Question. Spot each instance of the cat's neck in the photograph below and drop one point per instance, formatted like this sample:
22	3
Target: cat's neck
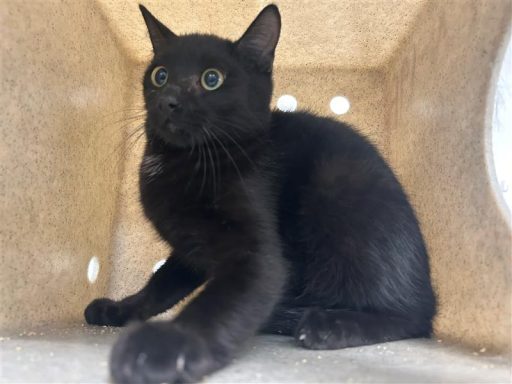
229	155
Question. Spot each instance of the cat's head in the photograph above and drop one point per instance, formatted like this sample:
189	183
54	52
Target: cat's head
201	87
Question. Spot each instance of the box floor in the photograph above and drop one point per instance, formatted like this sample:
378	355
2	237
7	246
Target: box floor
79	354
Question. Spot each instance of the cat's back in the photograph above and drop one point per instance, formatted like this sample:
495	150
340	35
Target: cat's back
307	130
307	142
341	205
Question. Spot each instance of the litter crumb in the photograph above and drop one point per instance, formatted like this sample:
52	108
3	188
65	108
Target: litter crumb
31	333
482	350
304	361
319	357
439	340
302	336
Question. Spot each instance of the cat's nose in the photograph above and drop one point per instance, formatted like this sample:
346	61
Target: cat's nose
169	103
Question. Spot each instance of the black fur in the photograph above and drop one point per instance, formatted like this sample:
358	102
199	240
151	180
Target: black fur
295	222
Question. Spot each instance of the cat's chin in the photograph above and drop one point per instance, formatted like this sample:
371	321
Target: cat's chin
178	141
173	136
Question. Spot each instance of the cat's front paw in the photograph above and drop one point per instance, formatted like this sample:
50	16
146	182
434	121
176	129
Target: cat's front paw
161	353
106	312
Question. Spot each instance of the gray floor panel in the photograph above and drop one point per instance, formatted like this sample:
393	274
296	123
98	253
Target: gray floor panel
79	354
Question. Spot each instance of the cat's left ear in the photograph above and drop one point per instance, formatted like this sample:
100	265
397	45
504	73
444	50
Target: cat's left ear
258	43
160	35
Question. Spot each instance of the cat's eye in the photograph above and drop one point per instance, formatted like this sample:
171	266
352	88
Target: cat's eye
159	76
212	79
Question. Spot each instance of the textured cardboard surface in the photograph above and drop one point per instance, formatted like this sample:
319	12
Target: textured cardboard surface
62	91
441	89
420	78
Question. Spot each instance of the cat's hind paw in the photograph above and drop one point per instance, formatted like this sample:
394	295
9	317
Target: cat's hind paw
320	329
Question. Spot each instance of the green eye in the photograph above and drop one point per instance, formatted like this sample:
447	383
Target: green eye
159	76
212	79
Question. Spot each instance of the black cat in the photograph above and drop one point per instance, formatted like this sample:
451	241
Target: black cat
294	222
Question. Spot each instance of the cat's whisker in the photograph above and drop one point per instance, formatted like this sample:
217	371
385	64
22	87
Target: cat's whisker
214	168
109	128
229	156
203	180
243	152
217	163
244	125
210	156
197	165
126	144
122	113
127	119
240	148
192	148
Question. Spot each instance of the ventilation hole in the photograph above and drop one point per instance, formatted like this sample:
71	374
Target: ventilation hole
502	130
93	269
158	264
287	103
339	105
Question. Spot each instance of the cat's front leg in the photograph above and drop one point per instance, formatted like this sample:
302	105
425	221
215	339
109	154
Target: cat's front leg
168	285
209	331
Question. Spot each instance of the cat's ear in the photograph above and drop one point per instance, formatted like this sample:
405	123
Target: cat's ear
259	42
159	34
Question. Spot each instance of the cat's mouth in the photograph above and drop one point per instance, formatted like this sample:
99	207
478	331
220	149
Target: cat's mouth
174	133
171	127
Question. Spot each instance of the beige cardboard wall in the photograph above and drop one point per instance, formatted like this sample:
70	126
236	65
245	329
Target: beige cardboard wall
417	73
441	92
62	89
